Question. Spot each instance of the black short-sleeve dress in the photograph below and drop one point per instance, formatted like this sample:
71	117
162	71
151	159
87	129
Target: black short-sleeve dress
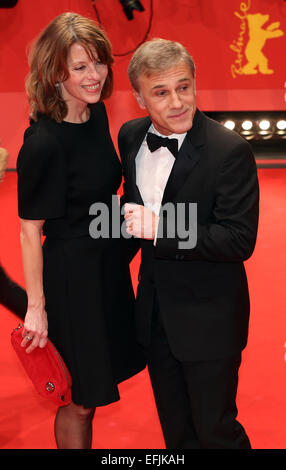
63	169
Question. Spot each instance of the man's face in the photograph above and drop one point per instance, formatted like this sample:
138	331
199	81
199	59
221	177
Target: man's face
169	97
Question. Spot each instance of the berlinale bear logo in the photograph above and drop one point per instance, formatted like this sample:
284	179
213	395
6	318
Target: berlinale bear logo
257	62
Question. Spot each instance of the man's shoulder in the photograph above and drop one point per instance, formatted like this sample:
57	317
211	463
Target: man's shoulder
221	134
133	125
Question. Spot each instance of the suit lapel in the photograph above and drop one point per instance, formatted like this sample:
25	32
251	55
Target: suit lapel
189	156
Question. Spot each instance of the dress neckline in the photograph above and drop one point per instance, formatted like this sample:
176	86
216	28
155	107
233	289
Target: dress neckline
80	124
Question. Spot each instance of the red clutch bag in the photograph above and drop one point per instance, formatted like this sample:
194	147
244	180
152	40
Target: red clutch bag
46	369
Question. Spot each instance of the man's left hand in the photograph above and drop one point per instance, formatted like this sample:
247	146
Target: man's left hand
140	221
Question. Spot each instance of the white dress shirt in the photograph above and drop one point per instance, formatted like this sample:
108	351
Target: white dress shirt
153	170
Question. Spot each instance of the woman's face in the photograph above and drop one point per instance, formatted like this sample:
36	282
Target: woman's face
86	78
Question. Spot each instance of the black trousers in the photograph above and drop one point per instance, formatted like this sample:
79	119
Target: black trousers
12	296
196	401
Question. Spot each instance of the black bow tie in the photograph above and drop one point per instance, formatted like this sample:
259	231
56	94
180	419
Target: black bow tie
155	141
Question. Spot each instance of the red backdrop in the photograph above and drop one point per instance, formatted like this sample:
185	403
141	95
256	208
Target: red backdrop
229	52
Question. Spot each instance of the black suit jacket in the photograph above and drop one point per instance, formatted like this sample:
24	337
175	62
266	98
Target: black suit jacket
202	291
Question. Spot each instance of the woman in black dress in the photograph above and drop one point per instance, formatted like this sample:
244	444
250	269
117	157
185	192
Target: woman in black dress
79	287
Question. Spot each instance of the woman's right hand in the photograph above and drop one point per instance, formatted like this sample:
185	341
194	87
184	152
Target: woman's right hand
35	331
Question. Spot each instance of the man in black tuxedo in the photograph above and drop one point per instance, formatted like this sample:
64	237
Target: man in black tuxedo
192	297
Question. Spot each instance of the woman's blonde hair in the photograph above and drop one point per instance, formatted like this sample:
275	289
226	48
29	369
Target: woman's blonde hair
48	62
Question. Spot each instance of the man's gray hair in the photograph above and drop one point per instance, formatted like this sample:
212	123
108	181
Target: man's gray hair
155	56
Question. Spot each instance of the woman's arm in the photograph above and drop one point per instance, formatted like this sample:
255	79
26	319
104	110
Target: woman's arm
36	324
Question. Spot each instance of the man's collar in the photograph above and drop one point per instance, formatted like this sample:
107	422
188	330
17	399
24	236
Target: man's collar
179	137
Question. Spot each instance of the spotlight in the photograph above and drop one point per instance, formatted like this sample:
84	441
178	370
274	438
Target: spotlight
247	130
281	125
129	6
266	129
247	125
264	125
281	128
230	125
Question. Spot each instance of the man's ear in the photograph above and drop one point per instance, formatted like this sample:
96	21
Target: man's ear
139	99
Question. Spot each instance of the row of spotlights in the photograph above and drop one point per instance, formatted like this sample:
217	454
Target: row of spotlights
264	125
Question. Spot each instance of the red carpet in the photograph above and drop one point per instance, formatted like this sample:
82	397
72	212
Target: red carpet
26	420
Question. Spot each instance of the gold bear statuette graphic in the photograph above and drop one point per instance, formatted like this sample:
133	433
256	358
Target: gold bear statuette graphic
257	38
